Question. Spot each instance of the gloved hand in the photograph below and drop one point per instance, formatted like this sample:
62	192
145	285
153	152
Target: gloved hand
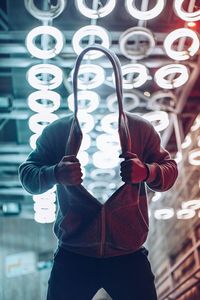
68	171
132	169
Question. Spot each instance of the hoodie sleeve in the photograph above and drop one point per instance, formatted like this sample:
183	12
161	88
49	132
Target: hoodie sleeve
162	169
37	172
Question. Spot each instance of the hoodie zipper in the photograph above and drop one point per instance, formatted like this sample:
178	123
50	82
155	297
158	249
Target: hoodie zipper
103	233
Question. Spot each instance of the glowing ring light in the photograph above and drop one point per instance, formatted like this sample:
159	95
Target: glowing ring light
47	95
47	197
112	102
83	158
185	214
187	142
87	83
93	30
51	84
144	15
104	160
196	124
101	174
191	204
108	142
194	157
33	140
95	13
84	96
139	69
40	53
109	123
177	34
86	142
55	10
164	213
35	120
158	116
130	33
186	16
86	121
44	206
160	95
44	217
157	196
169	70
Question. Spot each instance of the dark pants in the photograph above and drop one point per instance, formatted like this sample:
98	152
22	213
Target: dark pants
77	277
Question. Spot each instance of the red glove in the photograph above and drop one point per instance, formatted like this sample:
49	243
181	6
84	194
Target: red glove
68	171
132	169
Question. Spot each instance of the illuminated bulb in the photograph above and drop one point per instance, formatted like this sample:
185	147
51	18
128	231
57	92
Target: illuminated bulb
187	142
156	197
86	83
49	70
33	139
103	174
86	142
101	12
88	30
41	53
83	158
186	16
185	214
191	24
44	95
159	119
194	157
178	157
36	120
144	15
196	124
164	213
45	207
108	142
131	101
84	97
132	69
191	204
169	70
104	160
177	34
42	217
86	121
109	123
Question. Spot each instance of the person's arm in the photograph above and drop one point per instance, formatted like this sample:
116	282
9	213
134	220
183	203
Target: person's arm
37	172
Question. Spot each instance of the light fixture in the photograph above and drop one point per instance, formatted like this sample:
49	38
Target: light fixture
144	15
136	34
101	12
44	217
185	214
44	206
108	142
196	124
53	76
102	174
44	96
132	81
164	213
83	158
187	142
89	30
109	123
53	12
105	160
92	76
86	121
177	34
44	30
88	101
162	100
171	69
39	121
33	140
194	157
101	189
157	196
191	204
178	157
186	16
86	142
159	119
131	101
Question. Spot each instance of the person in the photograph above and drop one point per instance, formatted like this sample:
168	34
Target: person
80	268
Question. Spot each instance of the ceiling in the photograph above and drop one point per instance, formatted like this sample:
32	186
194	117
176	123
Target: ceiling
15	60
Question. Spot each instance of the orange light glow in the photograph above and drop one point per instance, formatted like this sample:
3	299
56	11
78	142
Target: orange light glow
191	24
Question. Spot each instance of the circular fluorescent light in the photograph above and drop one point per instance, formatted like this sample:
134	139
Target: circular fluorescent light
136	34
53	12
83	158
103	174
171	70
157	196
194	157
164	213
191	204
108	142
162	100
88	30
44	96
159	119
131	101
33	140
144	15
41	53
86	121
196	124
130	70
177	34
101	12
92	76
86	142
178	157
109	123
44	217
187	142
51	70
36	120
84	97
185	214
104	160
186	16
